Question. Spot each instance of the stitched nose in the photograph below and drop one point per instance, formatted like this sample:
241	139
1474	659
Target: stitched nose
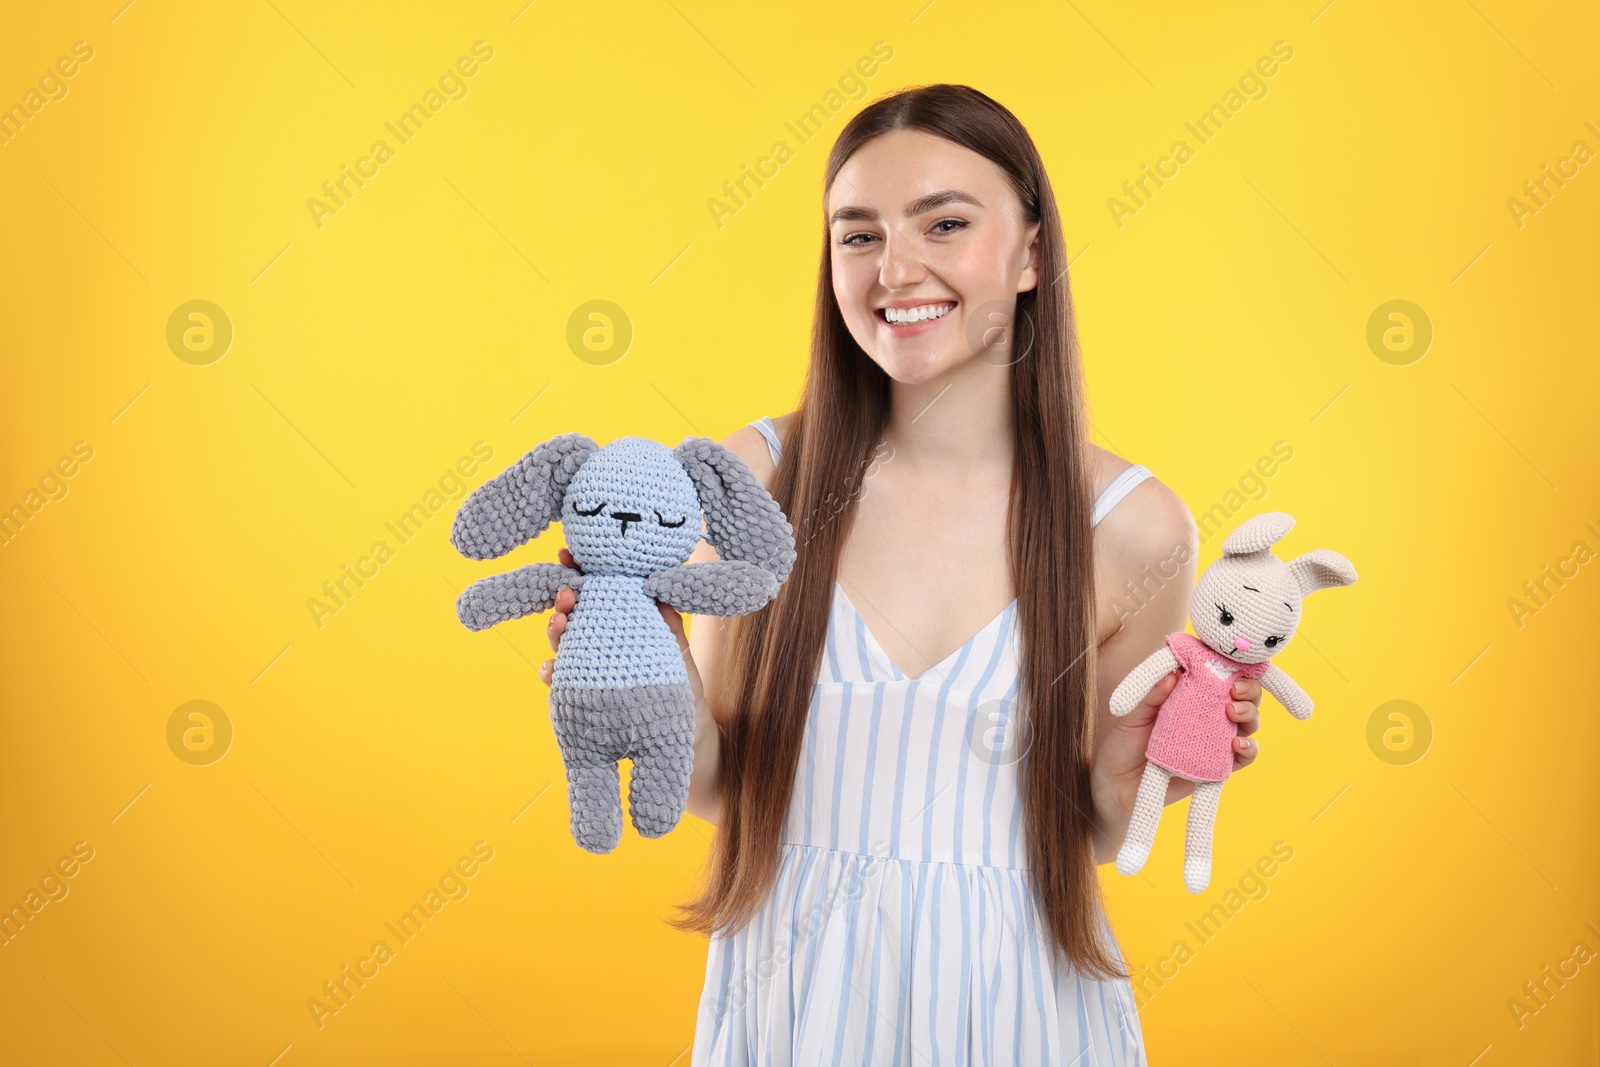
1242	644
626	517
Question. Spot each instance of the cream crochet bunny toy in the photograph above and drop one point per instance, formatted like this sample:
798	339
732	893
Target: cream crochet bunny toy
631	513
1245	609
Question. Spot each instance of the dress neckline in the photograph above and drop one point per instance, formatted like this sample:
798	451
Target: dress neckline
940	668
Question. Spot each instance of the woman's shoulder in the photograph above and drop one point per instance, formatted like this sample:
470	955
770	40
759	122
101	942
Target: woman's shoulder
750	445
1148	522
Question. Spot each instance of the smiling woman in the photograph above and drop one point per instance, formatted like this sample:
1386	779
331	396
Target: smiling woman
908	818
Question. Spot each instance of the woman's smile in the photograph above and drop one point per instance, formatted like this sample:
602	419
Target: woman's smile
905	319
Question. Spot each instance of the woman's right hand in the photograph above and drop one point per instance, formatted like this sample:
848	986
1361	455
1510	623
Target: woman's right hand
566	600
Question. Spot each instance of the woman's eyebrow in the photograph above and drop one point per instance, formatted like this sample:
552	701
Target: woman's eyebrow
856	213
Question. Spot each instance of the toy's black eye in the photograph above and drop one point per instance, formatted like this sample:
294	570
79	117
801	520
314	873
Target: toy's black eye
596	510
1272	642
664	522
1226	616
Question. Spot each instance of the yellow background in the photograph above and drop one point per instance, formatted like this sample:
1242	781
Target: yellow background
430	313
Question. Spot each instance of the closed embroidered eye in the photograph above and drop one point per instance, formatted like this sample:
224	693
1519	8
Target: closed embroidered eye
664	522
1226	616
596	510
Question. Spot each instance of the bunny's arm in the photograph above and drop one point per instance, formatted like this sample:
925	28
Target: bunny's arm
528	590
1288	692
717	587
1141	679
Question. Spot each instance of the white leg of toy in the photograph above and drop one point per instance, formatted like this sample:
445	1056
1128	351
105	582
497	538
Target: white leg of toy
1197	843
1147	807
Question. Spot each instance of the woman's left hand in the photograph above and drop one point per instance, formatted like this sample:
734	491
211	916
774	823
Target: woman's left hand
1119	759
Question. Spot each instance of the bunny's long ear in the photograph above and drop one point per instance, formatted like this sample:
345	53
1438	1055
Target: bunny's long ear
1321	568
742	520
518	503
1258	533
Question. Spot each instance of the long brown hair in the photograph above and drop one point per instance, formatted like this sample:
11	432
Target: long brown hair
773	654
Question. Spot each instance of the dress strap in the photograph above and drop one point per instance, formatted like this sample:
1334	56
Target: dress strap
770	432
1120	486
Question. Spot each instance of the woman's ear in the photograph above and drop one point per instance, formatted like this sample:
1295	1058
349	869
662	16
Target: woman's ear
1030	270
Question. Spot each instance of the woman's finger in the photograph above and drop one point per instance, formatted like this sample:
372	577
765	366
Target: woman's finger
1162	689
545	670
1247	715
1245	752
674	623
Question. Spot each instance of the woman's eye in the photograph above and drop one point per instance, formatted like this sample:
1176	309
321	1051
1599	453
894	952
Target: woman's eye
664	522
958	223
595	511
1226	616
850	239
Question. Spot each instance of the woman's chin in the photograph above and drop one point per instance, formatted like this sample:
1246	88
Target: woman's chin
919	368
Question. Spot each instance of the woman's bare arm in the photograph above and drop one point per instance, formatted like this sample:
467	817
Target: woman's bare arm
707	646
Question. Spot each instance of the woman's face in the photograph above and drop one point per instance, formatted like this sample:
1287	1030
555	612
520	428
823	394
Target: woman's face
929	251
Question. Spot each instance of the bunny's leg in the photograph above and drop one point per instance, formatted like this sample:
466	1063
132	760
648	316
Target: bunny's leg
663	757
1141	836
1197	842
593	784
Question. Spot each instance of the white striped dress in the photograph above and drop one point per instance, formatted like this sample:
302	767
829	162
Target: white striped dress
901	929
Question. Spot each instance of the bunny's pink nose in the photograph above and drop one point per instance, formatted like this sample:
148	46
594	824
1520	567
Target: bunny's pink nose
1242	644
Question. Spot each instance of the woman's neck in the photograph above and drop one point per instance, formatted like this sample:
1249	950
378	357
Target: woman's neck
957	426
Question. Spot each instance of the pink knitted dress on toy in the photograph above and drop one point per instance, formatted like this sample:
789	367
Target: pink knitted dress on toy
1193	736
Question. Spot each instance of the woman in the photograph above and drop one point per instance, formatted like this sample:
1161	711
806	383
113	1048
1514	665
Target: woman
912	794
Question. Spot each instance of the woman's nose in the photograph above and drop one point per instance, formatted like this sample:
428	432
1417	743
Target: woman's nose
1242	644
902	262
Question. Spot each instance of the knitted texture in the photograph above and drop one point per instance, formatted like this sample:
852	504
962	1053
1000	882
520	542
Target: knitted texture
1245	610
632	513
1193	736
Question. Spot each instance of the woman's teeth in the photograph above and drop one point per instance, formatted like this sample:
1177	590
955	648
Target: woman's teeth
907	316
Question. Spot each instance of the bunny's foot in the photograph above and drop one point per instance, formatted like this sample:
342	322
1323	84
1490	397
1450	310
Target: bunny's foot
663	757
1141	835
1197	846
1131	856
593	793
590	755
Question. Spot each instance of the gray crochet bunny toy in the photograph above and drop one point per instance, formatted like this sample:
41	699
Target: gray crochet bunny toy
631	513
1245	609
